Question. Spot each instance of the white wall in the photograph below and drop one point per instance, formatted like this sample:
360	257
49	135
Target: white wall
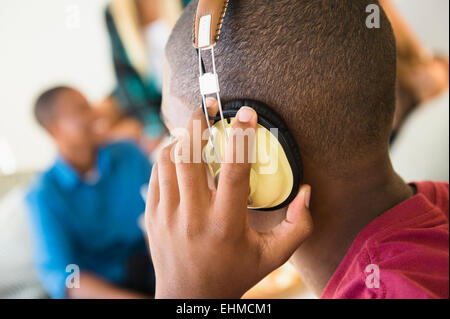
42	44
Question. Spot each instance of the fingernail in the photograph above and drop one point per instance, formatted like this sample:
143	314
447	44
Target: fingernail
210	102
307	194
245	114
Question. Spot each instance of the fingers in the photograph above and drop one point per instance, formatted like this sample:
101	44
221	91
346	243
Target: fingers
212	106
234	178
195	128
279	244
153	191
190	169
168	183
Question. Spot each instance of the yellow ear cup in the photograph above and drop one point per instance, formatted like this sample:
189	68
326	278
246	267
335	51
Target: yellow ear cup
271	177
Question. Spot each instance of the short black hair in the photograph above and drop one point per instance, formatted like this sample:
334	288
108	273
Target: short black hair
316	63
45	103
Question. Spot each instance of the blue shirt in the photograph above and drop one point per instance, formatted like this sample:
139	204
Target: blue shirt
93	225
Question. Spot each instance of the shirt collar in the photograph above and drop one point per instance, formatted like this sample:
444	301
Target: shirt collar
69	178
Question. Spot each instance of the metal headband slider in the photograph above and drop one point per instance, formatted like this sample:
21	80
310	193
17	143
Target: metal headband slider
209	84
204	31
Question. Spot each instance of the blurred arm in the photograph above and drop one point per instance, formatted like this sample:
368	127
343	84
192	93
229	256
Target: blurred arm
421	75
408	45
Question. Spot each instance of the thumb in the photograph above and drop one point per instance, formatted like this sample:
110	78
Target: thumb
282	241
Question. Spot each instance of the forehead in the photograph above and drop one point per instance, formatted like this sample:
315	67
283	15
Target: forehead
70	96
174	110
70	101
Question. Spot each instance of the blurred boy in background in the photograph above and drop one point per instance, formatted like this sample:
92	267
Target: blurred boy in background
85	209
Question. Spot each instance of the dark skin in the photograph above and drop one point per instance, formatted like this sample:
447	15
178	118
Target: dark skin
72	128
340	207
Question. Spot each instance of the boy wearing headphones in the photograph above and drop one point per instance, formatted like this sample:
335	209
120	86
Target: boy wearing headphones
332	80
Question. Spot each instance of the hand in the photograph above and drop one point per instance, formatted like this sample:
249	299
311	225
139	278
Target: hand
200	241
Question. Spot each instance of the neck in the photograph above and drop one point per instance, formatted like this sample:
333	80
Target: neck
341	208
81	158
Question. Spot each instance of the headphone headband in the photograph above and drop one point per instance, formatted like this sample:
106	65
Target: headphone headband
208	22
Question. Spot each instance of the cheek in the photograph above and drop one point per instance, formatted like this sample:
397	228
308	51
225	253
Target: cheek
69	128
73	129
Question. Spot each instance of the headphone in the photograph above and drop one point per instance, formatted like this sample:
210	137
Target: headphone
275	176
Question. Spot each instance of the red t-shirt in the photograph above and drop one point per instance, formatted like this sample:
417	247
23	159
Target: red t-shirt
404	253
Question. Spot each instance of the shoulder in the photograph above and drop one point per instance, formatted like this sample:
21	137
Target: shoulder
43	185
404	253
411	245
413	262
437	193
398	270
